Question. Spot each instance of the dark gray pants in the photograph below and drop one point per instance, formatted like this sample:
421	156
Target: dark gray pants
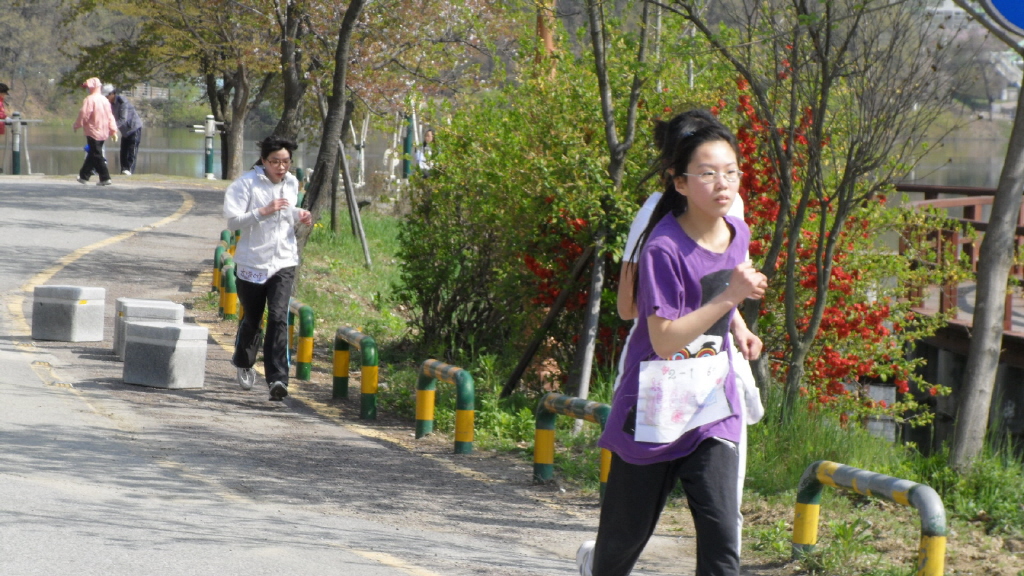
130	150
273	297
635	496
94	160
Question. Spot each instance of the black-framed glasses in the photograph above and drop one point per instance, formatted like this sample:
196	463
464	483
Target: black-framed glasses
278	163
711	175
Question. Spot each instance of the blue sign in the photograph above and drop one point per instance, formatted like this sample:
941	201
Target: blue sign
1009	13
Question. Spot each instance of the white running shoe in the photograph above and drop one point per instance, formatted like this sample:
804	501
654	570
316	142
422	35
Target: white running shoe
246	378
585	558
82	180
126	173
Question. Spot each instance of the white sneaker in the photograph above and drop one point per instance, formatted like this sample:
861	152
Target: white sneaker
585	558
246	378
82	180
126	173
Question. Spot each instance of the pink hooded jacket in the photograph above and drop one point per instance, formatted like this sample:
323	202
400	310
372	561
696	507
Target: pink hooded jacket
96	117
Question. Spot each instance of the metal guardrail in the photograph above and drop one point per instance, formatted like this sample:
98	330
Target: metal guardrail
430	372
343	339
932	550
18	136
304	345
550	406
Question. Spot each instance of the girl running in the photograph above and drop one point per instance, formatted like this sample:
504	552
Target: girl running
691	274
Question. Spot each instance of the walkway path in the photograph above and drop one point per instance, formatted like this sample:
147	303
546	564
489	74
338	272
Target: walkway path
105	478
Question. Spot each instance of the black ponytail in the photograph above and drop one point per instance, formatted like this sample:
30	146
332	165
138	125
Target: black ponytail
677	140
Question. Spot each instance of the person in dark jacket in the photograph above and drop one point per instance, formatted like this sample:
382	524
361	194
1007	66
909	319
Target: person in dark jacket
129	124
3	111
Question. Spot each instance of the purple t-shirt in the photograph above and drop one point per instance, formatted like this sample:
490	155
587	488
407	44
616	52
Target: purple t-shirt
677	276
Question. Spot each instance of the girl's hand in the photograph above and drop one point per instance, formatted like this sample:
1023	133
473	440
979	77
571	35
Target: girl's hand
747	342
746	282
275	206
306	217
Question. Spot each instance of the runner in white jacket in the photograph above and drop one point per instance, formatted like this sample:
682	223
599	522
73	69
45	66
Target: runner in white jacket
261	203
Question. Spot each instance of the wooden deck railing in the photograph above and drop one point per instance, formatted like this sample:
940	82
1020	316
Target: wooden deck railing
972	200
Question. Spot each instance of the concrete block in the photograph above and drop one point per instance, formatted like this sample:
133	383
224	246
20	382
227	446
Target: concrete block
68	313
165	355
139	310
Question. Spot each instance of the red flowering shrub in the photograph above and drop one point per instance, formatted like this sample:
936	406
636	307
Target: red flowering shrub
867	320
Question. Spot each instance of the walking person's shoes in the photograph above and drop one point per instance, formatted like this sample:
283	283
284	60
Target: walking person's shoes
246	378
82	180
278	391
126	172
585	558
104	182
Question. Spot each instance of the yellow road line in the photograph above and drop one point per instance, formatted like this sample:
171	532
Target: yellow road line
16	302
389	560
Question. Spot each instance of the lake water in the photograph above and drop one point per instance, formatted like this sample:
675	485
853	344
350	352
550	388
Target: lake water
179	152
58	150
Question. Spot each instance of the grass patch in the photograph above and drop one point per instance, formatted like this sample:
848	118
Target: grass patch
780	452
336	283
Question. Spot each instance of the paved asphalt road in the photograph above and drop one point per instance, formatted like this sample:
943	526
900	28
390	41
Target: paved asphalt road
100	477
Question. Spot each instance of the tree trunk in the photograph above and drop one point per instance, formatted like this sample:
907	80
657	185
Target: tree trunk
994	261
584	358
617	150
318	193
291	75
232	143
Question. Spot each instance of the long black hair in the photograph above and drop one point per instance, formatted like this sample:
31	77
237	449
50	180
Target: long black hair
677	140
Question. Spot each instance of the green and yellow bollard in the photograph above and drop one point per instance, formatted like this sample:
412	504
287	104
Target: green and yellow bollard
304	347
343	338
225	261
430	372
932	548
217	254
229	301
549	407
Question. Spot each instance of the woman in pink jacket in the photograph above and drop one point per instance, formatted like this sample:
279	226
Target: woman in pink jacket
97	121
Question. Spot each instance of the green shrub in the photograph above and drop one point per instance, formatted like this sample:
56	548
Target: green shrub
519	188
780	450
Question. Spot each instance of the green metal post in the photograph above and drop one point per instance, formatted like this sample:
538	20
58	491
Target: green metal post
16	143
209	131
407	145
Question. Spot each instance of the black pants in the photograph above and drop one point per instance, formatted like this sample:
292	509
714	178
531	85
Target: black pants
94	160
130	150
273	297
635	496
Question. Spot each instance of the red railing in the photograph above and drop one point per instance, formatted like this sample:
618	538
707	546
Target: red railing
972	201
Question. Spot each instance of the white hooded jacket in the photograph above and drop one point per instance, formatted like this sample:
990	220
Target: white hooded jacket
267	243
